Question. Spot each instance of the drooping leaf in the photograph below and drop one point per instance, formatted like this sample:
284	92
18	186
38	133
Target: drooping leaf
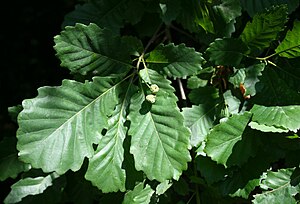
175	61
232	103
160	142
257	6
59	126
284	117
139	195
90	49
264	28
224	136
226	51
105	167
290	46
10	166
105	13
199	119
29	186
229	9
278	188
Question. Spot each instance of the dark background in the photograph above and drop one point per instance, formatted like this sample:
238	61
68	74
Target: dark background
27	56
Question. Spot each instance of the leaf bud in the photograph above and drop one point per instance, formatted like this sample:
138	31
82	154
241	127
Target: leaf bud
151	98
154	88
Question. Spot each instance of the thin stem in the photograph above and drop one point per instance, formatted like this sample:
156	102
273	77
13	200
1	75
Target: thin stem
155	35
181	89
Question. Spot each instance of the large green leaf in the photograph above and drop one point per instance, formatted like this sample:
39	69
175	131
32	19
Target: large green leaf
290	46
259	6
227	51
10	166
90	49
29	186
278	188
105	167
279	90
285	117
199	119
159	141
139	195
175	61
264	28
224	136
105	13
170	10
59	126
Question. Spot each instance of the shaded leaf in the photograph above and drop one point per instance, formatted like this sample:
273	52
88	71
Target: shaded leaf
159	141
105	167
139	195
170	10
105	13
246	191
258	6
204	95
90	49
290	46
175	60
199	119
29	186
10	166
224	136
229	9
278	90
59	126
264	28
283	117
227	51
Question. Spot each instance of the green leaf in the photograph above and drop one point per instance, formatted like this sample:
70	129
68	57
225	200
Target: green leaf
163	187
29	186
160	142
105	167
247	190
290	46
199	119
279	90
278	188
224	136
226	51
170	10
14	112
204	95
264	28
139	195
248	77
59	126
284	117
265	128
258	6
90	49
10	166
105	13
175	60
229	9
289	71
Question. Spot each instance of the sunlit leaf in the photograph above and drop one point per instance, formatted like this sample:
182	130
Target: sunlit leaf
284	117
224	136
175	61
290	46
29	186
264	28
139	195
160	142
59	126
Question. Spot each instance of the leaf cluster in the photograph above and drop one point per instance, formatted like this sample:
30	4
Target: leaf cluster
171	101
